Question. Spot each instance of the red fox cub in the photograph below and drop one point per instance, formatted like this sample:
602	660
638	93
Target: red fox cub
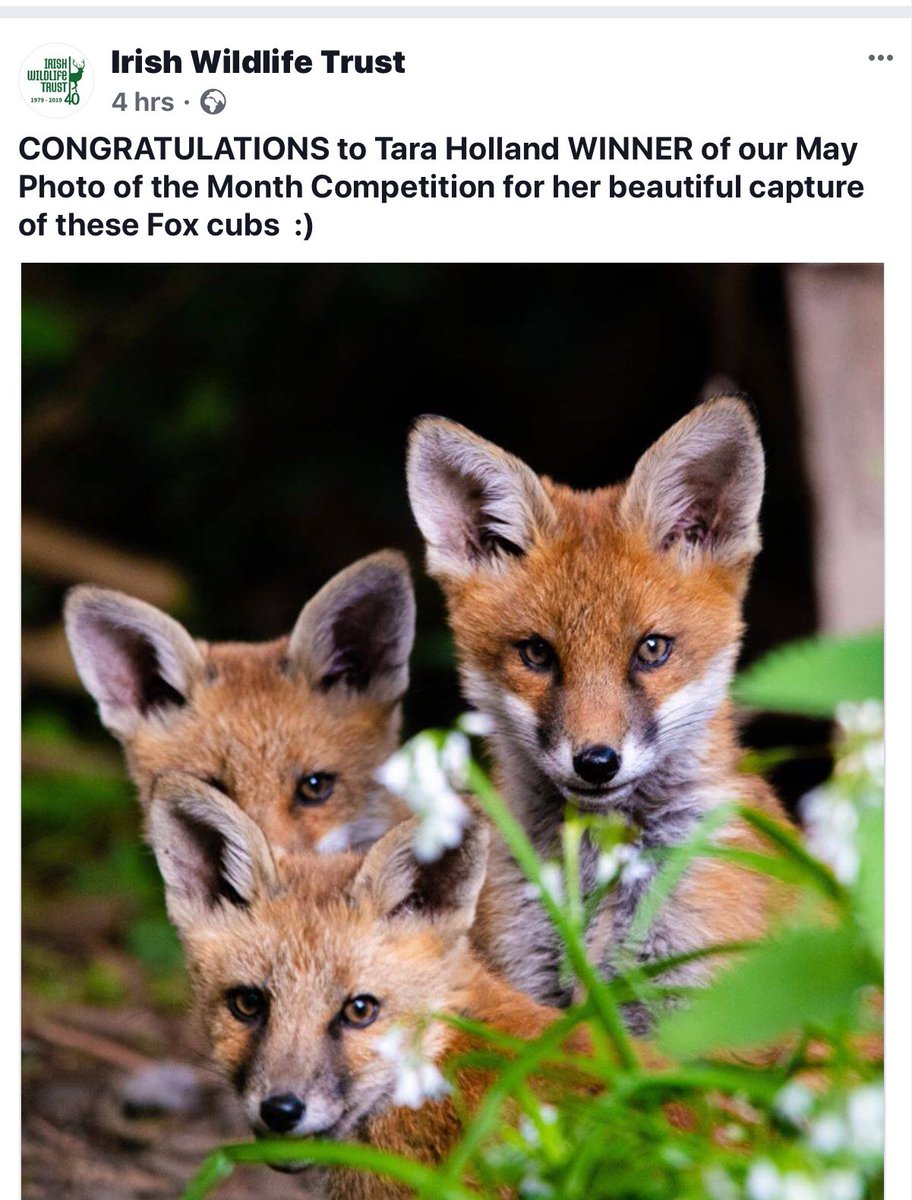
307	970
293	730
599	632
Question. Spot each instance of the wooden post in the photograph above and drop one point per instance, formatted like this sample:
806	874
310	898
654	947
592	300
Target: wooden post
837	320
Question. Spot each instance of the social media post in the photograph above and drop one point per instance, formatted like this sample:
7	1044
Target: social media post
353	140
464	492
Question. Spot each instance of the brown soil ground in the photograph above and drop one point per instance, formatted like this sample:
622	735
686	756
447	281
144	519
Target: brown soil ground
82	1140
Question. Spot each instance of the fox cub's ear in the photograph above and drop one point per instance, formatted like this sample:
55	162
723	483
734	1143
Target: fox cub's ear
476	505
132	658
699	487
444	890
357	632
208	850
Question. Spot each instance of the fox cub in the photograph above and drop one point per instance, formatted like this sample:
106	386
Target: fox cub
293	730
301	964
599	631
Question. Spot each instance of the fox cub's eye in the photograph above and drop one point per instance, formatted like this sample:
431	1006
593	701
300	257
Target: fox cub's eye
536	653
247	1004
653	650
360	1011
315	788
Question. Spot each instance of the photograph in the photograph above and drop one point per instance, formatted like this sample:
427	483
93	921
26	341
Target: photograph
452	731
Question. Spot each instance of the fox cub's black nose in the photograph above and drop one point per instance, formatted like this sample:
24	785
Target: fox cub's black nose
596	764
282	1113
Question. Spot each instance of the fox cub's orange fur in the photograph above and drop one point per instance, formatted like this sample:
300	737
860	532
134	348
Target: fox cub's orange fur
599	630
293	730
301	963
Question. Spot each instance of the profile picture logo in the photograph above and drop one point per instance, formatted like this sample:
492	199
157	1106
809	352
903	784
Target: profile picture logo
56	80
212	101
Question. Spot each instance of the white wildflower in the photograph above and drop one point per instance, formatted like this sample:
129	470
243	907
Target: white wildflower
428	776
796	1186
417	774
499	1157
719	1184
529	1131
872	757
475	724
863	731
417	1079
440	828
866	762
547	1115
624	863
396	772
391	1045
534	1185
455	756
636	870
609	863
843	1184
861	720
794	1102
828	1133
831	822
675	1156
865	1110
552	882
763	1182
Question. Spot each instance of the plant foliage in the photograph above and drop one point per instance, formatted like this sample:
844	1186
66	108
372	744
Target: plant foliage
805	1121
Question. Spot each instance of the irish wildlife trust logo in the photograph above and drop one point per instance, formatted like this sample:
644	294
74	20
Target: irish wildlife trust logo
56	80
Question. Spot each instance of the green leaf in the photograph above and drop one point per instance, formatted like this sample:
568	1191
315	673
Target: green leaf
434	648
677	860
522	850
812	677
127	869
869	887
47	334
217	1167
103	985
207	410
803	977
75	801
426	1180
792	849
154	942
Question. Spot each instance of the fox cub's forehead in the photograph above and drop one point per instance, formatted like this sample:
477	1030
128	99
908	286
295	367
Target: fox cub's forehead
316	936
301	931
253	685
583	576
240	668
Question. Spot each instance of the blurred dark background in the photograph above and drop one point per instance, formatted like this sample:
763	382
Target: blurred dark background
245	426
221	440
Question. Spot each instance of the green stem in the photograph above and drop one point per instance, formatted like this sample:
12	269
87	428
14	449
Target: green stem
572	836
672	871
485	1033
786	841
776	867
632	985
508	1083
425	1180
761	1084
215	1169
661	965
524	853
756	762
